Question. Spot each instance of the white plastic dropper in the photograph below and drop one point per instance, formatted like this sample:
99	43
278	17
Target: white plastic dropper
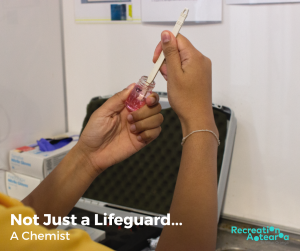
161	58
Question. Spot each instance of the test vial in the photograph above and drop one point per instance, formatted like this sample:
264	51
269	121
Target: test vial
138	95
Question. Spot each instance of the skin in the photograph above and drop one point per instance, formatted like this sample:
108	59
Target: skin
108	138
188	74
113	134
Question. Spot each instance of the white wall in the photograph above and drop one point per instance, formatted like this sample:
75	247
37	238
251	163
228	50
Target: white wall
31	73
256	58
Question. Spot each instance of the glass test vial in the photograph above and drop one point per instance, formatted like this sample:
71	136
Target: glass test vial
138	95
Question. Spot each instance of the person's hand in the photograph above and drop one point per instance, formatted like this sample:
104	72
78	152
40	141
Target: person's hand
188	73
113	134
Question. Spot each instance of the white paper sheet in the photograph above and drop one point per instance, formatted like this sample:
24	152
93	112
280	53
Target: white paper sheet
107	11
260	1
169	10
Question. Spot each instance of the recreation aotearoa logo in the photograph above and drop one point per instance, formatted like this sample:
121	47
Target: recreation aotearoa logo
260	234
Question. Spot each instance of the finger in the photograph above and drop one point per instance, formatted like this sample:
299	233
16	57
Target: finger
183	43
147	124
117	102
152	99
143	113
163	68
149	135
187	51
157	52
170	49
163	71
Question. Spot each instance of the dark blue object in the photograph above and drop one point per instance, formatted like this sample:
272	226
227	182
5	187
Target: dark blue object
118	12
47	145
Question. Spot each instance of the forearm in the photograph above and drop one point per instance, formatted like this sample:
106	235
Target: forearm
61	189
195	198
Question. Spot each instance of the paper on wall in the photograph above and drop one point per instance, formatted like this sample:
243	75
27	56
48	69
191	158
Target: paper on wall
260	1
107	11
169	10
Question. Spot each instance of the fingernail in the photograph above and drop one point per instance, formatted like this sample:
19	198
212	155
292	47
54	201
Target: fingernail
130	118
132	128
139	138
165	37
165	77
152	100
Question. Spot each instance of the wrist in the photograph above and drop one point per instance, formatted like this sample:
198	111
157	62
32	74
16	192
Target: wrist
83	160
203	123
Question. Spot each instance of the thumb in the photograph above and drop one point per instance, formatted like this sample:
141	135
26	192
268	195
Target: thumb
170	49
117	102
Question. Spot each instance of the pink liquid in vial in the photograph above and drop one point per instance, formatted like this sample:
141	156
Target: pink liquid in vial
137	98
138	95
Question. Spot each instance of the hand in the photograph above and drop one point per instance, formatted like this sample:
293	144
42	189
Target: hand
188	73
113	134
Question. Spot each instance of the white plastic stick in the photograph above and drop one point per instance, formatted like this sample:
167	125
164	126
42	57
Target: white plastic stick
161	58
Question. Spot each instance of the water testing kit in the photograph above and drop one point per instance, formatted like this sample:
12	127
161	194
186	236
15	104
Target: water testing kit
143	185
18	186
29	160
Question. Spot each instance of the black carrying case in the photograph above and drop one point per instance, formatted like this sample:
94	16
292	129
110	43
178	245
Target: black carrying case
145	182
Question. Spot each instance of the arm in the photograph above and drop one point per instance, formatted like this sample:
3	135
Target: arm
194	203
107	139
61	189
